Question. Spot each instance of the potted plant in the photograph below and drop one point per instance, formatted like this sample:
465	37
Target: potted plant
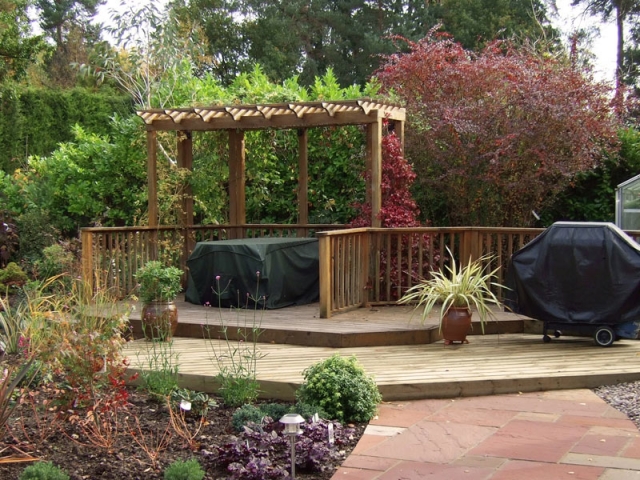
158	287
458	291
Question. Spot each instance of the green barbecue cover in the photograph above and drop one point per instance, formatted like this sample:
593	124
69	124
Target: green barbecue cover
263	272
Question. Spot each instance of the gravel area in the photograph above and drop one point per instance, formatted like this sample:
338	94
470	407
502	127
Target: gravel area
624	397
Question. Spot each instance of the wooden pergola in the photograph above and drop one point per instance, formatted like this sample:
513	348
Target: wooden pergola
237	119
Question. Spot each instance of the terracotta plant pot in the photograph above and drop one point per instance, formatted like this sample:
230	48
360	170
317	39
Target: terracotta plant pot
456	324
159	320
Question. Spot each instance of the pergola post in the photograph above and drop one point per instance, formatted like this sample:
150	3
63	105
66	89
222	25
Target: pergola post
152	192
374	160
400	133
185	160
303	179
237	212
152	178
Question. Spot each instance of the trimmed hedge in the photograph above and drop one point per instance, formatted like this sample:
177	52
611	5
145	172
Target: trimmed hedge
35	121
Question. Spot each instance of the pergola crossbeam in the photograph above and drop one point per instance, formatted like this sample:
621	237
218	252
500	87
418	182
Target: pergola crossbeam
237	119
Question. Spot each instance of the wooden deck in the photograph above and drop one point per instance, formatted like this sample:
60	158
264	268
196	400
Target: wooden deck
302	325
398	353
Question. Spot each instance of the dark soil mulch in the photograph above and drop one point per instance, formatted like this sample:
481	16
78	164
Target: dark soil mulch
108	454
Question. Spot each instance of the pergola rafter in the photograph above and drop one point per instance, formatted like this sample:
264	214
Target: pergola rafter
236	119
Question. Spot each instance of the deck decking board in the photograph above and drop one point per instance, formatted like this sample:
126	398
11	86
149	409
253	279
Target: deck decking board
512	363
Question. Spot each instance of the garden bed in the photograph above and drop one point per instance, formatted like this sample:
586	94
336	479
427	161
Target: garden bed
110	450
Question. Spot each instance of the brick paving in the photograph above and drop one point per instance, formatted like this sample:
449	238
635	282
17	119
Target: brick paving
561	434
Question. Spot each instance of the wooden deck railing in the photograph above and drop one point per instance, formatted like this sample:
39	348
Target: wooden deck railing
358	267
375	266
368	266
112	256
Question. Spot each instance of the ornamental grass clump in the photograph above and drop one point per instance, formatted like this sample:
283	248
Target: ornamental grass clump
459	287
341	388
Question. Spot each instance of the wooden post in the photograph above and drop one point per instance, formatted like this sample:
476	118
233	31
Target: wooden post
324	251
365	263
374	146
237	214
303	180
152	188
88	268
152	178
185	161
400	133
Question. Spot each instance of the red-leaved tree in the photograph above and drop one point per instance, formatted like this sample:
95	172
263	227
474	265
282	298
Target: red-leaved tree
398	208
495	135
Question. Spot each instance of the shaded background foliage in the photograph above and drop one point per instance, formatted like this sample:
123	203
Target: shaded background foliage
496	141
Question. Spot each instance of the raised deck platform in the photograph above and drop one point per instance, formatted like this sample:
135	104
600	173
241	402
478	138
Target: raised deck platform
407	360
301	325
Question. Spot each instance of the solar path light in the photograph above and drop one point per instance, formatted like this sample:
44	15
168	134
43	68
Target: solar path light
292	422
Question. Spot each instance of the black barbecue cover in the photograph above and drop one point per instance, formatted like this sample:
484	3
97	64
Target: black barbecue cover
577	273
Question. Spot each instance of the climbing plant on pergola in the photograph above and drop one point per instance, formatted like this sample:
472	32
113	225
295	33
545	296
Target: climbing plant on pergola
237	119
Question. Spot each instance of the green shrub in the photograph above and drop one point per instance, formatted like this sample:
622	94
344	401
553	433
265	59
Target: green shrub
55	261
36	233
307	410
12	276
43	471
179	470
341	388
275	410
246	414
160	367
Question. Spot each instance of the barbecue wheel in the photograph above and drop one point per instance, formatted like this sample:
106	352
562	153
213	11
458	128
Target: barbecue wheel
604	336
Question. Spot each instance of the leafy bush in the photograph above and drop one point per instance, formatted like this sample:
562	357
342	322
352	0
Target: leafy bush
157	282
258	454
36	233
55	261
189	470
12	276
246	415
9	239
341	388
498	133
43	471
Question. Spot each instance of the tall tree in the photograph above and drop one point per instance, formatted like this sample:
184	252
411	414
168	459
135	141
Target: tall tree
67	23
474	23
220	23
622	11
18	47
301	37
58	16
